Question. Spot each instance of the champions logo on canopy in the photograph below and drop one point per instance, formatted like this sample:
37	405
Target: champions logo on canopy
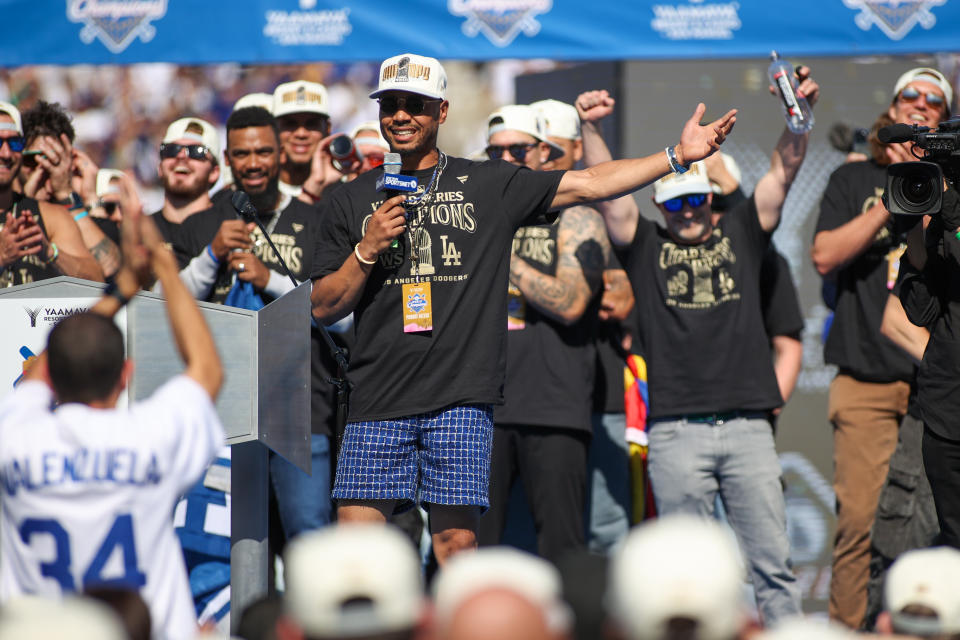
896	18
116	22
500	20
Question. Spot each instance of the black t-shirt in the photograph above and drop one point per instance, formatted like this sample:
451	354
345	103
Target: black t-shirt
464	255
550	366
855	343
28	268
173	235
293	234
778	297
698	312
932	299
109	228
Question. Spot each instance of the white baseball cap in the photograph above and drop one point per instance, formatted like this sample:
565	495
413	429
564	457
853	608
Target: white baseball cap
262	100
677	566
525	119
414	74
926	74
672	185
374	137
563	120
73	617
533	578
209	138
351	580
300	96
930	578
13	112
799	628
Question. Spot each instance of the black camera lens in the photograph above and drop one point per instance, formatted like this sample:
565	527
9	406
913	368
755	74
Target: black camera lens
914	188
341	146
917	191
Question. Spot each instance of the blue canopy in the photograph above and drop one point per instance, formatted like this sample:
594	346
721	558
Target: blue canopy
272	31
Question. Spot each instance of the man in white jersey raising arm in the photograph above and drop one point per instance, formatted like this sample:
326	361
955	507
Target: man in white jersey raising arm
89	489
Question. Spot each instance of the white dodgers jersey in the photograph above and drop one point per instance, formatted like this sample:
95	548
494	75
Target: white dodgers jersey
88	495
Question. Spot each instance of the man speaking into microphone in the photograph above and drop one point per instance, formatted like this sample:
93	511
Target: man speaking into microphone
430	309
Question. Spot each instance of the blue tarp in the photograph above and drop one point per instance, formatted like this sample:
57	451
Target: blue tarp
271	31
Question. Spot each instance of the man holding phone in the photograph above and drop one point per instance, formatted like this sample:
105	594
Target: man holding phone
38	240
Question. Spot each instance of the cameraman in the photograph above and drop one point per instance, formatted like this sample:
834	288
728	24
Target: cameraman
855	244
931	298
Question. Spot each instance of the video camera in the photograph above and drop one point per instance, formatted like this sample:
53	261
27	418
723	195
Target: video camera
916	188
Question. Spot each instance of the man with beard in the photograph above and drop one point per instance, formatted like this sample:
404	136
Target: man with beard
188	169
427	275
230	252
856	245
38	240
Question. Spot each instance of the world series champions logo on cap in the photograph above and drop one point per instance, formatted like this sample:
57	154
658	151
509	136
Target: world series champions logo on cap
895	18
500	21
116	23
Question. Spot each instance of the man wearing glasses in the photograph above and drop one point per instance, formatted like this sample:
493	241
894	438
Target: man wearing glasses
543	429
38	240
855	245
188	169
710	371
426	275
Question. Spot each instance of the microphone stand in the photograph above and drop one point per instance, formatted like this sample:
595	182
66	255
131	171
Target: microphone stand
340	381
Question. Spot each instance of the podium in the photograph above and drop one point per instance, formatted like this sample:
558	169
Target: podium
264	403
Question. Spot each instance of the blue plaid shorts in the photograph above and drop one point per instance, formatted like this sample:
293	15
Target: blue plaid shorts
441	457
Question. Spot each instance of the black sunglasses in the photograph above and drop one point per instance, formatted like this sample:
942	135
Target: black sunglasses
414	105
194	151
694	200
517	151
16	143
912	93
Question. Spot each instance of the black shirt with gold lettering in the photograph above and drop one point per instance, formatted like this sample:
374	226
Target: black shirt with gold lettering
699	317
462	250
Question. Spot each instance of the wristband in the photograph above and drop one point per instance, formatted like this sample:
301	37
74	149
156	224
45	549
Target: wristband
77	217
314	196
356	252
114	291
56	254
672	159
212	257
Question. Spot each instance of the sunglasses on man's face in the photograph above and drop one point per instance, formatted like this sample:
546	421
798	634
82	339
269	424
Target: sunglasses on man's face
16	143
194	151
414	105
517	151
912	93
694	200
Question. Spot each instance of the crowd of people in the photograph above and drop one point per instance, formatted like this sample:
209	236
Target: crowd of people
487	316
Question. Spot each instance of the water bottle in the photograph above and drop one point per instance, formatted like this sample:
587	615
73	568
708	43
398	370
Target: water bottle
796	109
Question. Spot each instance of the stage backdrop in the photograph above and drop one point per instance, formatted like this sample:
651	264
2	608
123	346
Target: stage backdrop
262	31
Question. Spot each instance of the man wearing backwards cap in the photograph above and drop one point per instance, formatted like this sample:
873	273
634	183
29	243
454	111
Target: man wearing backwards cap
855	245
429	361
542	430
710	375
357	581
922	595
37	239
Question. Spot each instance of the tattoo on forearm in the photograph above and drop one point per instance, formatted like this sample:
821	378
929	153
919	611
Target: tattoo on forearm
107	255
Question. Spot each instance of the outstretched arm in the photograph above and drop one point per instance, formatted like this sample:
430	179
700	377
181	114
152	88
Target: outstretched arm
619	177
771	191
620	214
583	251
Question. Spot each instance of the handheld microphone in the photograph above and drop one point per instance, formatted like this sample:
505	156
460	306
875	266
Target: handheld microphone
392	183
899	132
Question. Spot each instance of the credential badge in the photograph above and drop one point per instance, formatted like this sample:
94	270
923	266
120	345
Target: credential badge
500	20
116	22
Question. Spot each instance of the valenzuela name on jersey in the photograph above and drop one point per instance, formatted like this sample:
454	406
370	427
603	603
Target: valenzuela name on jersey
119	466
